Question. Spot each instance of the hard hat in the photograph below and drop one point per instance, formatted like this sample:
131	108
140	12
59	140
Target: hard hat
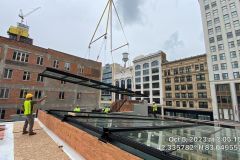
29	95
153	102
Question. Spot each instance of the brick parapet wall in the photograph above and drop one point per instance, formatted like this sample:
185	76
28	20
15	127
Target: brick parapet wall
82	142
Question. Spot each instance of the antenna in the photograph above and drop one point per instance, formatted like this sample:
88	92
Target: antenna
24	16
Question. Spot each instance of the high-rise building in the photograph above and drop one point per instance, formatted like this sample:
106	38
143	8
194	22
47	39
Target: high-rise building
221	25
148	76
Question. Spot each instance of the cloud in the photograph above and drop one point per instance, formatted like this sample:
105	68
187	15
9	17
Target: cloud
173	42
131	11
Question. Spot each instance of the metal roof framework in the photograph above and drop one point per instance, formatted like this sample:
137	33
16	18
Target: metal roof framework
84	81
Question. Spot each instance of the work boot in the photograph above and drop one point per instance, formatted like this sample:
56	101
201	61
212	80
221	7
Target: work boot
32	133
25	132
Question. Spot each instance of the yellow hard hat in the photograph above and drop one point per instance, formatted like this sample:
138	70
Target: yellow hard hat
29	95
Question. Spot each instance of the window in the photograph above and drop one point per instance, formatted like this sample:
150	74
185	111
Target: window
216	77
4	93
129	84
197	67
146	79
122	83
39	78
189	86
205	1
7	73
168	88
155	70
229	35
219	38
216	20
181	70
208	15
223	1
67	66
225	75
190	95
222	56
156	93
155	77
26	76
168	80
220	47
233	54
202	94
207	7
188	69
178	103
176	79
138	73
213	4
20	56
40	60
55	63
167	72
168	103
191	104
138	86
228	26
226	17
168	95
183	87
237	32
23	93
155	85
235	64
238	43
137	67
223	66
184	104
38	94
61	95
203	104
182	79
78	95
189	78
177	87
214	58
215	13
201	86
236	23
154	63
200	77
215	67
146	93
146	65
224	9
175	71
213	49
211	40
210	31
209	23
145	72
146	86
234	14
137	80
236	75
177	95
232	6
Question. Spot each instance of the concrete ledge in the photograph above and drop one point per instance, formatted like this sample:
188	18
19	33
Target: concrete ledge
85	144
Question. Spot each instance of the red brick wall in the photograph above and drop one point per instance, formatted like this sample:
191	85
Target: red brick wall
85	144
9	112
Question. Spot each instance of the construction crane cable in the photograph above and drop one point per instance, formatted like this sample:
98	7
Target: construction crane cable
99	23
120	21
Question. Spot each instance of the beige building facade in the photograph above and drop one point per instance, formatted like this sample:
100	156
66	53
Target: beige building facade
186	88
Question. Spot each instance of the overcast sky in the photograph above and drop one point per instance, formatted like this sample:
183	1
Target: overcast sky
173	26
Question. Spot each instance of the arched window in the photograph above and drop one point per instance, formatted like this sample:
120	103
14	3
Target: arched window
137	67
154	63
146	65
129	84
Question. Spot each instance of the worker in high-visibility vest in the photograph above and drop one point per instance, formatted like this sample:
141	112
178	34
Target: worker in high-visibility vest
154	109
77	109
28	112
106	109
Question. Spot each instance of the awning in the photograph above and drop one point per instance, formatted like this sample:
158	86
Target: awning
80	80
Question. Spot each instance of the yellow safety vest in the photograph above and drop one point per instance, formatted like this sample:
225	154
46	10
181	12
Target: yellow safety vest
77	109
154	107
106	110
27	107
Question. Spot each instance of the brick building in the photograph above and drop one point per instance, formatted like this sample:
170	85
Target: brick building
20	64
